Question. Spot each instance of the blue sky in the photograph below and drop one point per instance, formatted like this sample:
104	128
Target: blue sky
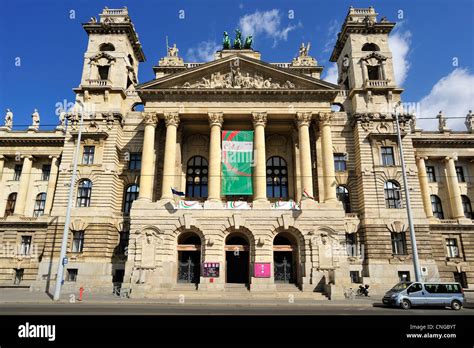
50	44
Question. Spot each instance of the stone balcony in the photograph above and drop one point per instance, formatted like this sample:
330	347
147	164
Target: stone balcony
374	84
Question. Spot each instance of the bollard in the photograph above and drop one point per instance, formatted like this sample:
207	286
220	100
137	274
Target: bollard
81	292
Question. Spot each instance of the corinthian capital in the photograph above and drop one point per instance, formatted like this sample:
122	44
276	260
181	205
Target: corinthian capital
259	119
171	119
325	118
303	118
150	118
216	118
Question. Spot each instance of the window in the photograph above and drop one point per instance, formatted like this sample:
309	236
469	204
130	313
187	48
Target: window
17	174
460	174
370	47
342	194
77	241
11	202
340	162
19	272
404	276
131	194
466	206
355	276
71	275
430	172
373	72
45	172
88	155
460	277
25	247
452	247
277	178
436	207
351	244
84	191
40	203
415	288
103	72
196	177
106	47
399	244
392	195
123	243
135	162
387	156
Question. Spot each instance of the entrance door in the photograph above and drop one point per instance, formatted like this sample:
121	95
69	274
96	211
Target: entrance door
237	266
188	266
283	267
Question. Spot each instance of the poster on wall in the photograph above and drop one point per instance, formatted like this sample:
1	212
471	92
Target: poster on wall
261	270
210	269
237	160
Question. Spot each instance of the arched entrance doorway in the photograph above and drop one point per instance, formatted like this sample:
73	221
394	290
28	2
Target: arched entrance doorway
284	258
237	258
189	258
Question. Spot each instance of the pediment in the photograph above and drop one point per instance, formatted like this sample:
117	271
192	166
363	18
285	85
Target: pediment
237	72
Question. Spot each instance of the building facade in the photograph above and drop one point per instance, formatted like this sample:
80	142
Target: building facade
326	208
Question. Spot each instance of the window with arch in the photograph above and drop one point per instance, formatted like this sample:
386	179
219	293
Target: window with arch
40	203
342	194
436	207
84	191
277	177
131	194
466	206
370	47
196	177
106	47
11	202
392	194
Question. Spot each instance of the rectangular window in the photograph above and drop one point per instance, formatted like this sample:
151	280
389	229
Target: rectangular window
71	275
351	244
404	276
340	162
88	155
135	162
373	72
77	241
17	174
355	277
461	278
387	156
460	174
25	245
452	247
430	172
19	272
399	246
45	172
104	72
123	243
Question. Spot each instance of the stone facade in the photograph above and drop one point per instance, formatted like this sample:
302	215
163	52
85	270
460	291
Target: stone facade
336	218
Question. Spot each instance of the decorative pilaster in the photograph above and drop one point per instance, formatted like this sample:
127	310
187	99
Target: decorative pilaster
216	120
24	185
453	188
147	172
2	163
53	176
260	173
329	175
303	120
425	193
169	172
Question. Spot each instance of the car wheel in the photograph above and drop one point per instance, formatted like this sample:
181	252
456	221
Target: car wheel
456	305
405	304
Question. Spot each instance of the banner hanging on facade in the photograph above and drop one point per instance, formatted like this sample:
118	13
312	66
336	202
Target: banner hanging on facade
237	162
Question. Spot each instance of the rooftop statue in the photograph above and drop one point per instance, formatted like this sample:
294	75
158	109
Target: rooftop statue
226	41
304	50
238	40
35	118
248	42
173	51
9	119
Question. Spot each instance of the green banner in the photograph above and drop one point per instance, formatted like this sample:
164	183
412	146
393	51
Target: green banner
237	159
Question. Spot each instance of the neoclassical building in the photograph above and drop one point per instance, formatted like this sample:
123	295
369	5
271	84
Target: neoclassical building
235	173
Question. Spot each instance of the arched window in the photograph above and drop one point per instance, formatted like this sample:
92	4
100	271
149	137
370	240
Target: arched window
466	206
84	191
437	207
196	177
130	59
392	194
106	47
277	178
40	203
11	202
131	194
370	47
342	194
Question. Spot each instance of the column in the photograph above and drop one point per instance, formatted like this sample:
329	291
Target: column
169	163
423	178
24	185
214	177
453	188
260	172
303	120
147	171
329	175
53	177
2	163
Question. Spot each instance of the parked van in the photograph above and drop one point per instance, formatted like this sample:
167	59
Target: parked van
408	294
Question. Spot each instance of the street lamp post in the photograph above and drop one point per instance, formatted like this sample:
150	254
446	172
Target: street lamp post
62	256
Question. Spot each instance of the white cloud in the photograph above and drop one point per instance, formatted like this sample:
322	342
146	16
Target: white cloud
333	29
454	95
399	42
204	51
268	23
331	74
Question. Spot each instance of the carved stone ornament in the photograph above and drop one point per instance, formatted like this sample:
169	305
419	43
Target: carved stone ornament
325	117
150	118
470	122
216	119
172	119
303	118
259	119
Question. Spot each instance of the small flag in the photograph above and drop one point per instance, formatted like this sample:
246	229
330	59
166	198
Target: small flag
177	193
305	194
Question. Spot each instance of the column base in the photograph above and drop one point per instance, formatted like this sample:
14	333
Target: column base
261	204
